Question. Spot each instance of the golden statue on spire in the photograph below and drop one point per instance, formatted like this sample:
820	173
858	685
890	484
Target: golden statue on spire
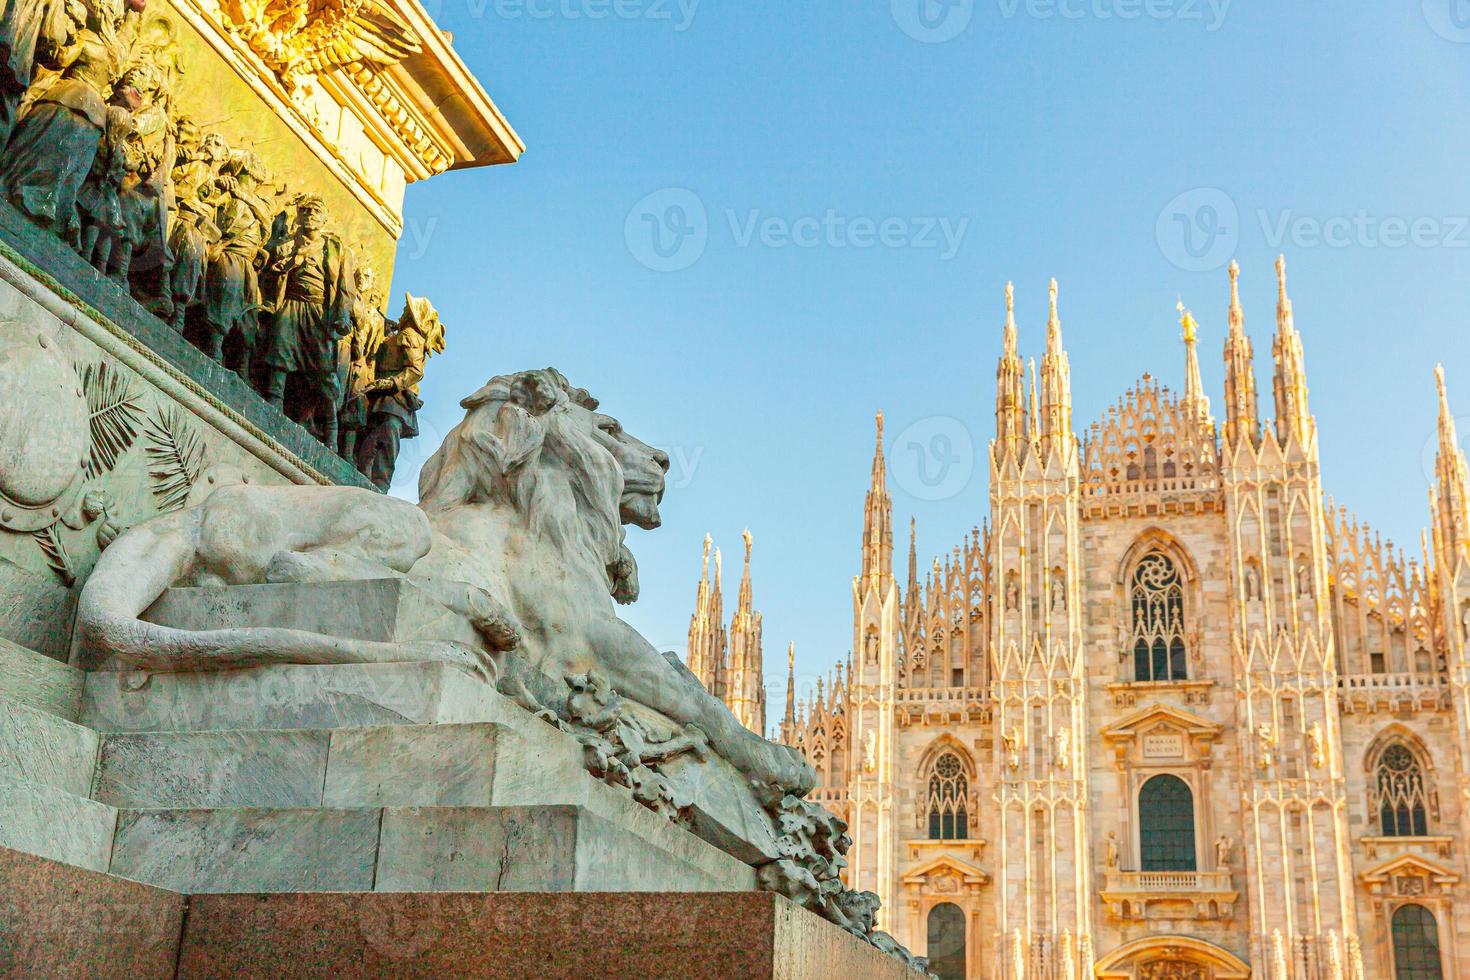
1186	321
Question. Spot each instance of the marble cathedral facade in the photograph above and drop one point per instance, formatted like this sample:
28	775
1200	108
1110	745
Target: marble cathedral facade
1170	714
728	662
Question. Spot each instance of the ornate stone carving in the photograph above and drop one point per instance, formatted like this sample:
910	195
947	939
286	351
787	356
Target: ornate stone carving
296	39
1172	970
176	456
524	502
188	224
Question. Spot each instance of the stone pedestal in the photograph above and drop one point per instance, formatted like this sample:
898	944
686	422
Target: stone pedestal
62	921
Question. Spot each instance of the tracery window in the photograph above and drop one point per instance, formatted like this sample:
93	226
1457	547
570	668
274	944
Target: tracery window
1400	794
1166	825
948	795
1157	595
1416	944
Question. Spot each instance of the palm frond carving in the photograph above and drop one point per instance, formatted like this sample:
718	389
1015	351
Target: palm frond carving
175	457
113	413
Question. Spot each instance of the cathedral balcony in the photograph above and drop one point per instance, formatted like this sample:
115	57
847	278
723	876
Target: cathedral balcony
1170	894
942	705
1372	693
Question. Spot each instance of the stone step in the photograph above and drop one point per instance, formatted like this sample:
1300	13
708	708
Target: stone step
724	812
400	765
49	822
426	849
37	680
289	696
44	748
464	765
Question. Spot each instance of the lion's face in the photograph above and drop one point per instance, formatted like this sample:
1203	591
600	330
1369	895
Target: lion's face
643	469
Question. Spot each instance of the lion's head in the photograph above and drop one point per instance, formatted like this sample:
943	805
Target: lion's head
534	442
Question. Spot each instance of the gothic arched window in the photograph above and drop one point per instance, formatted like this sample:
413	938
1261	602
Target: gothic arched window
1416	944
1156	592
1166	825
1400	795
949	791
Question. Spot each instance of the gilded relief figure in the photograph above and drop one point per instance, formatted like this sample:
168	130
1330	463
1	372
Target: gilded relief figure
33	33
393	395
232	299
312	291
56	139
359	354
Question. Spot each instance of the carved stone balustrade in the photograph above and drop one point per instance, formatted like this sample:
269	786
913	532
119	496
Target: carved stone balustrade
1170	894
1372	693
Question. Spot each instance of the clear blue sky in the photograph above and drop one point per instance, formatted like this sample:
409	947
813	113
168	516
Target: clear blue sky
829	148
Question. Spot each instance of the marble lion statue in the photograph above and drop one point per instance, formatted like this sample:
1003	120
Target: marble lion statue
519	528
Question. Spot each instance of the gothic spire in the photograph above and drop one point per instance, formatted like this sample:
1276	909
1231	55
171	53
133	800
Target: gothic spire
788	720
1033	419
705	654
1293	419
1451	491
1241	419
1010	385
745	688
1056	383
878	520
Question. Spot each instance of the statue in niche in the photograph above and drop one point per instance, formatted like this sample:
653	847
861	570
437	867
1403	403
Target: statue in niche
1465	621
232	299
519	530
1062	747
1058	593
310	294
1303	580
1013	592
1223	847
55	141
33	35
1265	746
1112	851
360	354
393	394
1318	742
1012	743
1252	584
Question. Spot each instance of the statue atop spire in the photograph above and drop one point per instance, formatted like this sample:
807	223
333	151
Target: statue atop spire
1196	402
1451	490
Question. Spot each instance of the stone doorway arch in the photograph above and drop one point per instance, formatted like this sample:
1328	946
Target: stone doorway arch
1171	958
